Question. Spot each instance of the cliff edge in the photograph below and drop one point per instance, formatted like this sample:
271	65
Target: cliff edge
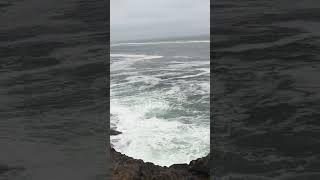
127	168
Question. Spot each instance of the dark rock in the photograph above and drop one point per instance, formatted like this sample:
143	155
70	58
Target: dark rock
200	165
127	168
114	132
179	166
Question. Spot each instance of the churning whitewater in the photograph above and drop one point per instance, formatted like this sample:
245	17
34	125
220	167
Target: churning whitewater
159	100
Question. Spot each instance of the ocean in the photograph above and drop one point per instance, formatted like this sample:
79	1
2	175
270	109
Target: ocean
265	100
53	110
160	99
264	103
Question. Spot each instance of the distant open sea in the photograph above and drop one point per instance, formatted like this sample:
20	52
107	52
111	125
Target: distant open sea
159	99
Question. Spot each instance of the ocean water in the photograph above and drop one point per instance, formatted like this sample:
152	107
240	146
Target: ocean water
53	108
159	99
266	95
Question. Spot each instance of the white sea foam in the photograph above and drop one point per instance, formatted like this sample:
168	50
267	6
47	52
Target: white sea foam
136	56
193	76
149	81
129	59
154	139
182	57
154	108
205	87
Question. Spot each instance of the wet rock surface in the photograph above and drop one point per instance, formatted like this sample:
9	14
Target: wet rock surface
114	132
127	168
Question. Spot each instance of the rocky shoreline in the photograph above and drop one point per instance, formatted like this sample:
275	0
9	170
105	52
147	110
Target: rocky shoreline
127	168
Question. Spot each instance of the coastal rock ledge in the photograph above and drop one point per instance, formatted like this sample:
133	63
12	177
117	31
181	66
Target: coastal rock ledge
127	168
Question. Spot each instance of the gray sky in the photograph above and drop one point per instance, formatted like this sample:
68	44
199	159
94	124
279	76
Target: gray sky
146	19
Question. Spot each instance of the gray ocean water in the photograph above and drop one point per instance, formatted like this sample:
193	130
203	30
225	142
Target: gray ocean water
265	100
159	99
53	94
265	103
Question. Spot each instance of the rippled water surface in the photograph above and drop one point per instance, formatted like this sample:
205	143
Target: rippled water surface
160	100
266	95
53	108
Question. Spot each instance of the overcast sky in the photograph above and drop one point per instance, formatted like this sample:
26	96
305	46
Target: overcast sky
146	19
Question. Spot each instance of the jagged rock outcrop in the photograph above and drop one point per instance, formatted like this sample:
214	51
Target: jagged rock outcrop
114	132
127	168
